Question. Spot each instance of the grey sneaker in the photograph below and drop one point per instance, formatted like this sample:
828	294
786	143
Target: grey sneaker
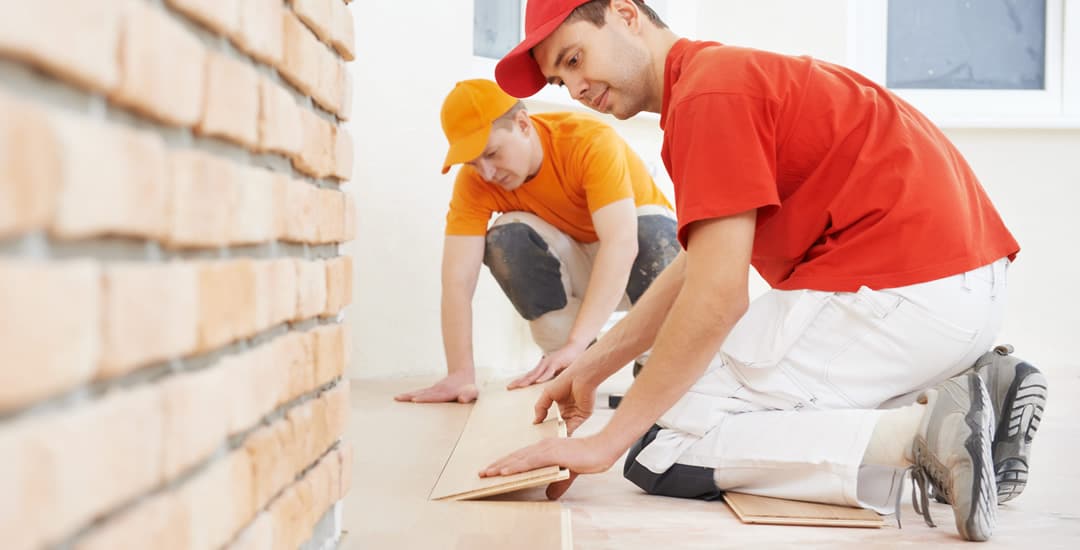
952	454
1018	392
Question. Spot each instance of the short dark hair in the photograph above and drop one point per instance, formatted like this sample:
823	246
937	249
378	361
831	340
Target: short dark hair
594	11
507	118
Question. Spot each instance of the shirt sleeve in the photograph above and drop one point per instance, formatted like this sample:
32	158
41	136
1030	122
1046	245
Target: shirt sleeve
470	206
604	169
722	157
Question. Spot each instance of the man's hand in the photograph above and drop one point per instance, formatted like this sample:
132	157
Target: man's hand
550	365
588	455
575	396
460	387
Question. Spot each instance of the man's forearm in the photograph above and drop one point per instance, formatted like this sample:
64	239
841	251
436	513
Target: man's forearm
457	333
689	338
637	331
607	284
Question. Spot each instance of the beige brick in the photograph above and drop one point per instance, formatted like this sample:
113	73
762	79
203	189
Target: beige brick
113	181
160	522
257	536
293	516
25	486
218	500
295	353
330	342
347	96
279	184
203	194
346	457
280	130
29	167
241	472
220	16
336	412
266	451
343	154
48	329
150	313
321	479
339	281
350	217
226	302
76	41
244	410
301	209
260	30
161	67
308	427
311	285
330	216
231	101
329	92
343	31
301	54
271	382
196	418
317	152
276	284
253	218
87	461
317	15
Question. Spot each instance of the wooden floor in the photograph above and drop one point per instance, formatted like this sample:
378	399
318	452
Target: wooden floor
400	448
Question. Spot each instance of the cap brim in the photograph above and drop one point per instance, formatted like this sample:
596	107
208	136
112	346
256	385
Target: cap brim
467	148
517	72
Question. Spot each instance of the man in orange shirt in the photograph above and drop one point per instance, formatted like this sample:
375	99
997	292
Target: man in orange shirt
585	230
887	263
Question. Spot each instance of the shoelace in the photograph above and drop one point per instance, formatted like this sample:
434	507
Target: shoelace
920	483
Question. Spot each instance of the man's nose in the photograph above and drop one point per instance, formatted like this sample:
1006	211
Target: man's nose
487	171
578	88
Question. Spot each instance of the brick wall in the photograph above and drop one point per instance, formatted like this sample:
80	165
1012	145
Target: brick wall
172	345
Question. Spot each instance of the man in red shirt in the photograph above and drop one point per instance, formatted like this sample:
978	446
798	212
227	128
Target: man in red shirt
887	263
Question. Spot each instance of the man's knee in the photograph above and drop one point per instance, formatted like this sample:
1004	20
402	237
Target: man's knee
658	245
679	480
525	269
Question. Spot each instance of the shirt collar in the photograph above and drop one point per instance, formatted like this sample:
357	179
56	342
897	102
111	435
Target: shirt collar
672	70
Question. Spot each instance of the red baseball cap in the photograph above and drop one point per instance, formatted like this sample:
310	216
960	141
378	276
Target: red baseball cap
517	72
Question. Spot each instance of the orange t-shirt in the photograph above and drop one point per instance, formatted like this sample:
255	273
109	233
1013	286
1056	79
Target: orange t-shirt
586	167
853	186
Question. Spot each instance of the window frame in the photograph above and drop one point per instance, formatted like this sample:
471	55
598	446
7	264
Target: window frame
1058	105
680	15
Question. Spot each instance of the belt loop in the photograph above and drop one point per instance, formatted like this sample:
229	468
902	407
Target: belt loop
965	282
997	271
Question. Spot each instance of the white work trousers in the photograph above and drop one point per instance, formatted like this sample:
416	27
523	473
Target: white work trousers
787	408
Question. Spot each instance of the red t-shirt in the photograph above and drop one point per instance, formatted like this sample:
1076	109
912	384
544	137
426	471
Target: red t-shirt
853	186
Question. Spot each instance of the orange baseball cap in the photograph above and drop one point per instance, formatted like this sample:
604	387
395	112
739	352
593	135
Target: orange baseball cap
467	114
517	72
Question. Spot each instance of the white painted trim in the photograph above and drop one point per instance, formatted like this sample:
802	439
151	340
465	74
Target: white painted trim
1071	48
1049	108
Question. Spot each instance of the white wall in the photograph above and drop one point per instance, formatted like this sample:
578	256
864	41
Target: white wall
408	61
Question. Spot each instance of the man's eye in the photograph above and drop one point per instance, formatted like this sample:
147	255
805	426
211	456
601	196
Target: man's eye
489	155
573	61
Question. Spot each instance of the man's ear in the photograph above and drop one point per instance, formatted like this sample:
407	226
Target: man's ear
626	13
521	119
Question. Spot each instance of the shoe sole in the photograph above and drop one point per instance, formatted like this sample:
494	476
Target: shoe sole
1021	414
980	520
976	522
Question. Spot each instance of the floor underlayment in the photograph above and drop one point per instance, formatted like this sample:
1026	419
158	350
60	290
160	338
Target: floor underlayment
401	447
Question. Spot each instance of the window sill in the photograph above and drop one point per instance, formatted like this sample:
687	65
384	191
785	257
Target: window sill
1071	122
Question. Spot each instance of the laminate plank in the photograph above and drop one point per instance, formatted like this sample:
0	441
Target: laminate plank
401	449
500	423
